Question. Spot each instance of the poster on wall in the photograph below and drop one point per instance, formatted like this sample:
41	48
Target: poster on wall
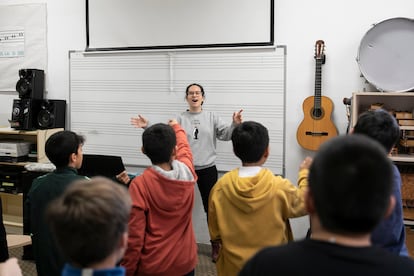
23	43
12	42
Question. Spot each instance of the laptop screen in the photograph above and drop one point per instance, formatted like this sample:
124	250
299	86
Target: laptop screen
101	165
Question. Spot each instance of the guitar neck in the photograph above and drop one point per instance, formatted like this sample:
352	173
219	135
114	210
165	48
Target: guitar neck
318	84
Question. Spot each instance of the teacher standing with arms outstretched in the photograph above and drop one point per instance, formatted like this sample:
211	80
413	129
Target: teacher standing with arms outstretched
203	128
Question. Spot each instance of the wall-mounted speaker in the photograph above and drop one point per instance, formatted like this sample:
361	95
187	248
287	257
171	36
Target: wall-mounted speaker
52	114
31	84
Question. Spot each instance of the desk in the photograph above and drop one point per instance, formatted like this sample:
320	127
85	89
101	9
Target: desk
14	241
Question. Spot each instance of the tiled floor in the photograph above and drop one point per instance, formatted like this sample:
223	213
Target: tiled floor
28	267
205	266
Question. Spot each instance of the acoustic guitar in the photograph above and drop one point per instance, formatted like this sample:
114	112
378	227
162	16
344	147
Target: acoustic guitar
317	126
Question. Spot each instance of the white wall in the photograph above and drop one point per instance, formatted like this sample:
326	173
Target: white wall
342	25
66	31
298	24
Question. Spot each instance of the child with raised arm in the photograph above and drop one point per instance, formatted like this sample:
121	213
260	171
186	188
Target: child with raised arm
203	128
161	236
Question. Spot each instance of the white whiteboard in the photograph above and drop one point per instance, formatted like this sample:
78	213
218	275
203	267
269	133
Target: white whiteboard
108	88
141	24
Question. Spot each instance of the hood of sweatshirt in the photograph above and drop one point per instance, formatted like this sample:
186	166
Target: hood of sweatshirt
249	193
170	190
179	171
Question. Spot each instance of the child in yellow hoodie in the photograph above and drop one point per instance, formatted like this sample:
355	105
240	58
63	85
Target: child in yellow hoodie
250	207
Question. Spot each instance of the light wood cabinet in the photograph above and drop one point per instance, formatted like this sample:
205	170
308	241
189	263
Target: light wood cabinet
391	101
12	203
398	102
37	137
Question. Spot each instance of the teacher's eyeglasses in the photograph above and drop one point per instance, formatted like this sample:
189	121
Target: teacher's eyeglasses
192	93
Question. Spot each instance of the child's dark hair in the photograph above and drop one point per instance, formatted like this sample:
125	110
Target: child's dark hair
89	219
250	140
380	125
158	142
350	181
61	145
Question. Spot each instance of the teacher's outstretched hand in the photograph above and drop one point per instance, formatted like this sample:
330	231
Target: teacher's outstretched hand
139	121
237	117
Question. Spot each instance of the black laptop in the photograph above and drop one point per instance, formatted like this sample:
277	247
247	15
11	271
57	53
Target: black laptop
101	165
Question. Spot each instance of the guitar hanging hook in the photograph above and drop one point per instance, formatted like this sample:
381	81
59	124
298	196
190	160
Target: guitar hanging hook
347	102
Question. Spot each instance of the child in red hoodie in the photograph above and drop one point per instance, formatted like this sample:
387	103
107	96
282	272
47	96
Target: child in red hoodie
161	236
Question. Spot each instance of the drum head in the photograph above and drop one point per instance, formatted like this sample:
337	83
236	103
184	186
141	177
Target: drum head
386	55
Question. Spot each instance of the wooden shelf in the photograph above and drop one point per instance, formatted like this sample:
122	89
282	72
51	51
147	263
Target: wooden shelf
396	101
37	137
10	220
403	158
12	131
407	127
12	204
408	213
20	164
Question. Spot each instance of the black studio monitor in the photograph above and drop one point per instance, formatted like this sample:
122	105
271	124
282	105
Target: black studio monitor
24	114
31	114
52	114
31	84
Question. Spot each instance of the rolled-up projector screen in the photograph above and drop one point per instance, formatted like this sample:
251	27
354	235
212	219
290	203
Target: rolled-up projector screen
152	24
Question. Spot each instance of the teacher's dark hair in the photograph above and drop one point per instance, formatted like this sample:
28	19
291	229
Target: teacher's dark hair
196	84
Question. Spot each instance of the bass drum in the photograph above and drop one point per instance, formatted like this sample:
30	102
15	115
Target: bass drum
386	55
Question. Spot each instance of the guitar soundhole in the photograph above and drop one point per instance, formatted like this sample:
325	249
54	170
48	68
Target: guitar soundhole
317	113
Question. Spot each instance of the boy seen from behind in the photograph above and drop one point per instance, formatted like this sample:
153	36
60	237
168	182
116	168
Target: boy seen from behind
350	192
383	127
250	207
161	236
90	224
64	150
